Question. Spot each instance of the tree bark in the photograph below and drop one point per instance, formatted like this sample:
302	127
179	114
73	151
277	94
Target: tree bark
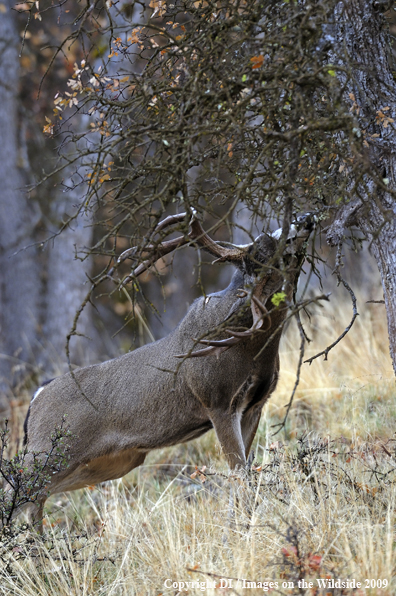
361	26
67	284
19	271
40	291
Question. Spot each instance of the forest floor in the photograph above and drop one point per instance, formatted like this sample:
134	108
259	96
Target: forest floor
320	503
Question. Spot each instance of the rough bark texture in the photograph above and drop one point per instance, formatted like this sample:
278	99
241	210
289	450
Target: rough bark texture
19	273
361	26
66	286
384	250
40	291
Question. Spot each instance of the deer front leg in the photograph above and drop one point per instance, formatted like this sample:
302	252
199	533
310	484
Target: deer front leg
251	417
228	431
249	425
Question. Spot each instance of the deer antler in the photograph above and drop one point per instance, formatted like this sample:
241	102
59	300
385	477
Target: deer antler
168	221
197	234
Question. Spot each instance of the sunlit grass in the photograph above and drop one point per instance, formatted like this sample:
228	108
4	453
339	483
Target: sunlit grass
352	393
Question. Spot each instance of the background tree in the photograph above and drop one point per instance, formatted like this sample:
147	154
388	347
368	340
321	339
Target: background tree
18	332
39	288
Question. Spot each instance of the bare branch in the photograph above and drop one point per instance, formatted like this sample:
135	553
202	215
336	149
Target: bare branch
297	381
354	308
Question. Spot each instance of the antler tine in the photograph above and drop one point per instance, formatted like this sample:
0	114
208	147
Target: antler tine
259	310
219	343
218	346
165	223
160	251
197	234
215	347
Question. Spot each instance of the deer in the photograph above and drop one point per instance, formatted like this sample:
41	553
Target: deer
217	369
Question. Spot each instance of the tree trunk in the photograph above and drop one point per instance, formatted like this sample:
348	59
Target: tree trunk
384	250
67	284
19	271
361	25
40	291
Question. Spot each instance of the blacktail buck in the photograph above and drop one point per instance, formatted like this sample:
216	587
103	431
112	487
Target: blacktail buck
175	390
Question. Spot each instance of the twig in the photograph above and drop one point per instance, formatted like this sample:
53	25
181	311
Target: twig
72	332
297	381
354	308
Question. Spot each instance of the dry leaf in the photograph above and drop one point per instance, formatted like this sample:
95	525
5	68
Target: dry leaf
274	446
289	551
257	61
314	562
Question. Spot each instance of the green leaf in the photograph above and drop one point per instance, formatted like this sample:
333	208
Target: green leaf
332	73
244	78
278	298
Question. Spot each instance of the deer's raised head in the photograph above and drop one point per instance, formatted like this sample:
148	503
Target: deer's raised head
269	265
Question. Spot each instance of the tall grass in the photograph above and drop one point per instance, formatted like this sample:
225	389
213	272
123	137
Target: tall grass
320	502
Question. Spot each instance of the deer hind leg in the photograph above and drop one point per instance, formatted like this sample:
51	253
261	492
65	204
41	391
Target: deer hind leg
98	469
35	514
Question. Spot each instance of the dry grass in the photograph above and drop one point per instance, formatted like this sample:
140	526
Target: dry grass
350	394
323	507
